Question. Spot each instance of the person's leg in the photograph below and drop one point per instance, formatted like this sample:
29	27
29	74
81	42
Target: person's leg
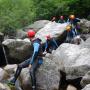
33	79
32	74
68	39
18	71
33	71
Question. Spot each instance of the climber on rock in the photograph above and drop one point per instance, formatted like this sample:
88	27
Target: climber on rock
61	19
33	62
71	33
50	44
74	22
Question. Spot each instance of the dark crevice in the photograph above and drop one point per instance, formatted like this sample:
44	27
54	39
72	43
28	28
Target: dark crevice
64	83
2	57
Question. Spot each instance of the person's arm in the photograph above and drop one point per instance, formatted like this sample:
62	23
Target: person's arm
77	19
35	52
46	45
55	42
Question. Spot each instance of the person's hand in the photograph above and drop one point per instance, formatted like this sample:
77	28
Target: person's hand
30	66
44	52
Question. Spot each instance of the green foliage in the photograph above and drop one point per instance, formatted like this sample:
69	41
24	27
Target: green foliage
16	13
45	9
19	13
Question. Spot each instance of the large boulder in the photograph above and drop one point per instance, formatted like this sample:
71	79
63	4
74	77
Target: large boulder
86	44
17	50
48	75
37	25
25	79
85	25
75	60
87	87
20	34
52	28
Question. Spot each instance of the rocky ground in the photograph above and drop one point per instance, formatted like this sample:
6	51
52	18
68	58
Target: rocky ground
70	58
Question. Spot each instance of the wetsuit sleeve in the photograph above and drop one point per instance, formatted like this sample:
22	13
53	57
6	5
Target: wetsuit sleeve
54	41
35	52
46	45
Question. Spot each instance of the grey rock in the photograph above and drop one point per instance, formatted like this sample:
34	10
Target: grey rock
73	59
53	29
85	26
87	87
20	34
37	25
17	50
48	75
86	44
86	79
25	79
